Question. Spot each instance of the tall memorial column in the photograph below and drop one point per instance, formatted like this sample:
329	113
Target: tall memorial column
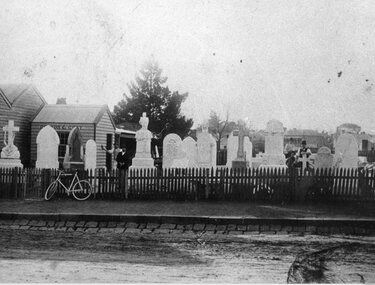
10	156
143	137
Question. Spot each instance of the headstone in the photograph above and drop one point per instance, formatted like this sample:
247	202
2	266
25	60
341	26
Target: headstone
143	137
173	153
74	150
346	151
189	145
90	157
47	142
232	148
206	146
10	156
323	158
274	144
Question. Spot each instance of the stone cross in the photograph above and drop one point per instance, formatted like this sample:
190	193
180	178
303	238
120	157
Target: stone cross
240	161
241	137
10	129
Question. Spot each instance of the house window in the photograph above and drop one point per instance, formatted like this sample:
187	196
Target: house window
63	143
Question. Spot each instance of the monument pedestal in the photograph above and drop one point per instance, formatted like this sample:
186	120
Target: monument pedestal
10	163
240	163
141	162
73	165
273	159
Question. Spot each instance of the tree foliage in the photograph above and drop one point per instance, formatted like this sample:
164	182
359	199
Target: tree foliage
149	93
219	127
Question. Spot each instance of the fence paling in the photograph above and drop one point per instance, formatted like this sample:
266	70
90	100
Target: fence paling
185	184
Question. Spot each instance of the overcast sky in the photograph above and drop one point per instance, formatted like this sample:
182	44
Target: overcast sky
309	64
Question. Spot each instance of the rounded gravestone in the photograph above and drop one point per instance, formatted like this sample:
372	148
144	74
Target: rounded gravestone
189	145
172	150
47	142
346	151
90	156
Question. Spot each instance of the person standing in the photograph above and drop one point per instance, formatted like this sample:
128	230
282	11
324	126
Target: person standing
290	148
114	150
303	151
123	162
371	156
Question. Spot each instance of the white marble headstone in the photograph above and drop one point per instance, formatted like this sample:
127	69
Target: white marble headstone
346	151
274	144
206	146
324	158
47	148
90	157
232	148
173	154
189	145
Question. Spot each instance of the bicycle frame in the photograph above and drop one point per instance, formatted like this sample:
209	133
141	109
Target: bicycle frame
75	178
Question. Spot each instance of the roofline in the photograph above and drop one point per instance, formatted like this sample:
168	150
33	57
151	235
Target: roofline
39	94
104	109
19	95
5	99
120	131
56	123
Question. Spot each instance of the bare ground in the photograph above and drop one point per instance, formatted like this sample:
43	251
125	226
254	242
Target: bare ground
52	256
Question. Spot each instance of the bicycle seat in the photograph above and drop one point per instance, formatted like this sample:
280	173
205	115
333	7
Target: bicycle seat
62	173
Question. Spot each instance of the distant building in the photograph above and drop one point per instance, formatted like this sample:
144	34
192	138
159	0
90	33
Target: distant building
314	139
21	103
258	141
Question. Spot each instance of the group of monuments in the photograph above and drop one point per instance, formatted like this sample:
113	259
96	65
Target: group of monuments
178	153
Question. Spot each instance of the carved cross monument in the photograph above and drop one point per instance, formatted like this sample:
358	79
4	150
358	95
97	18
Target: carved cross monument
240	161
10	130
10	150
10	156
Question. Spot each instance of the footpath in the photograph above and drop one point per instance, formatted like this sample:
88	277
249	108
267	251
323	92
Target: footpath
188	217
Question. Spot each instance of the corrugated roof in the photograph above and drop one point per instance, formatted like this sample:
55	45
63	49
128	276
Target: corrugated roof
71	114
11	92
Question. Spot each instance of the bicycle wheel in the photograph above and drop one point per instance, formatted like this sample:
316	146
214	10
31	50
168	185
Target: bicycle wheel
51	190
82	190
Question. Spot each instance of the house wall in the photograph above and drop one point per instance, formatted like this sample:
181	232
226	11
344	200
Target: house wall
22	112
103	128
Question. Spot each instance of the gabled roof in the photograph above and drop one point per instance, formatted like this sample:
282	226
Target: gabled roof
12	92
72	114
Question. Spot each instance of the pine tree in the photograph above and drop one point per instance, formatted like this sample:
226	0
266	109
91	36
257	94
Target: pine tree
149	93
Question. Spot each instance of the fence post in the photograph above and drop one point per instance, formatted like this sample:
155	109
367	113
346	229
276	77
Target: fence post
363	183
293	183
14	182
126	183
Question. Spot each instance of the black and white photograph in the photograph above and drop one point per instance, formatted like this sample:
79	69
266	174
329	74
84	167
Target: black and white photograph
187	141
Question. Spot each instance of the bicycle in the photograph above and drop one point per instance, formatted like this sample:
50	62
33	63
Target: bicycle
81	189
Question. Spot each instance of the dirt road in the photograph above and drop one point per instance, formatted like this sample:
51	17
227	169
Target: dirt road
52	256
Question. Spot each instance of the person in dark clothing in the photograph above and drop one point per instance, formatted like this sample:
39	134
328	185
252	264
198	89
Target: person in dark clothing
371	156
123	162
123	159
303	151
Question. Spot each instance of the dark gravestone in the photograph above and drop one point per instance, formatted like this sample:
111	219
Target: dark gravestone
76	148
74	158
